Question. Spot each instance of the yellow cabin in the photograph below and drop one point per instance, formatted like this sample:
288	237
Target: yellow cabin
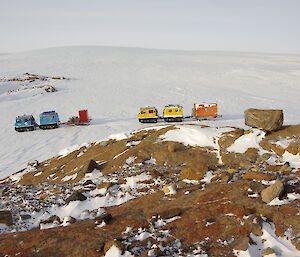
148	114
173	113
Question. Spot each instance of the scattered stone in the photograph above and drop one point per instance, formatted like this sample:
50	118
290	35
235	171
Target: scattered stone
259	176
116	243
267	251
251	154
107	218
92	166
6	218
272	191
88	182
170	213
76	196
33	164
138	160
53	219
268	120
264	157
50	89
225	177
25	217
286	169
240	243
105	185
169	189
69	220
104	143
194	173
171	147
232	171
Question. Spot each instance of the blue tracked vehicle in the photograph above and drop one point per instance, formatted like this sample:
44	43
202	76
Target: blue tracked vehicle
49	120
25	123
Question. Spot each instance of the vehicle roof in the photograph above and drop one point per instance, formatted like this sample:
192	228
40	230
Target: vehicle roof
173	106
147	107
24	116
49	112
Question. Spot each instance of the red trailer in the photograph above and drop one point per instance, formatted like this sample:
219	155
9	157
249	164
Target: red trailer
205	111
82	119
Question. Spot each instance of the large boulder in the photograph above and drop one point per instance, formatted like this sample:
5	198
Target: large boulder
268	120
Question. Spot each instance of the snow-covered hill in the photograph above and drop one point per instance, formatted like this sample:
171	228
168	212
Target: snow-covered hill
112	83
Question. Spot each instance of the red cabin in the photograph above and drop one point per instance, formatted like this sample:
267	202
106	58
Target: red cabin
205	110
83	119
83	116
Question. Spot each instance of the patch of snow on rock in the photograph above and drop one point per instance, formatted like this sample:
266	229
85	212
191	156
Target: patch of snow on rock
250	140
195	135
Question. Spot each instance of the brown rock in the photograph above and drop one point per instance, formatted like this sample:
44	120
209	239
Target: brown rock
267	251
51	219
104	143
6	218
169	189
139	160
92	165
231	171
170	213
253	175
268	120
105	185
171	147
272	191
195	172
107	218
116	243
240	243
251	154
225	177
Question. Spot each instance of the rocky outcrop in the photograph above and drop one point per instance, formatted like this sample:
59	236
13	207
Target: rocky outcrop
268	120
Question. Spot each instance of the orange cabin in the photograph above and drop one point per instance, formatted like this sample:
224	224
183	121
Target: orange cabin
205	110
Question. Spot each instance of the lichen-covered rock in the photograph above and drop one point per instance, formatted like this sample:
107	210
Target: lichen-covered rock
272	191
268	120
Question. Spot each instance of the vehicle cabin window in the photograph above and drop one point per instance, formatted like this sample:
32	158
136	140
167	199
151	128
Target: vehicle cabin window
150	111
143	112
170	110
176	110
25	120
18	121
44	118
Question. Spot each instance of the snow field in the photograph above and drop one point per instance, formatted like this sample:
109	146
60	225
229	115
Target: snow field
113	83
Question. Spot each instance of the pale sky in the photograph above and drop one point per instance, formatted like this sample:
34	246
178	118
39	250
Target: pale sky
271	26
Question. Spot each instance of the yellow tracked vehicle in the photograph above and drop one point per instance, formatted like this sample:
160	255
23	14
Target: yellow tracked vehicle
173	113
148	115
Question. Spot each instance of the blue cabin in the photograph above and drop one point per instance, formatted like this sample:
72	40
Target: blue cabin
25	123
49	120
